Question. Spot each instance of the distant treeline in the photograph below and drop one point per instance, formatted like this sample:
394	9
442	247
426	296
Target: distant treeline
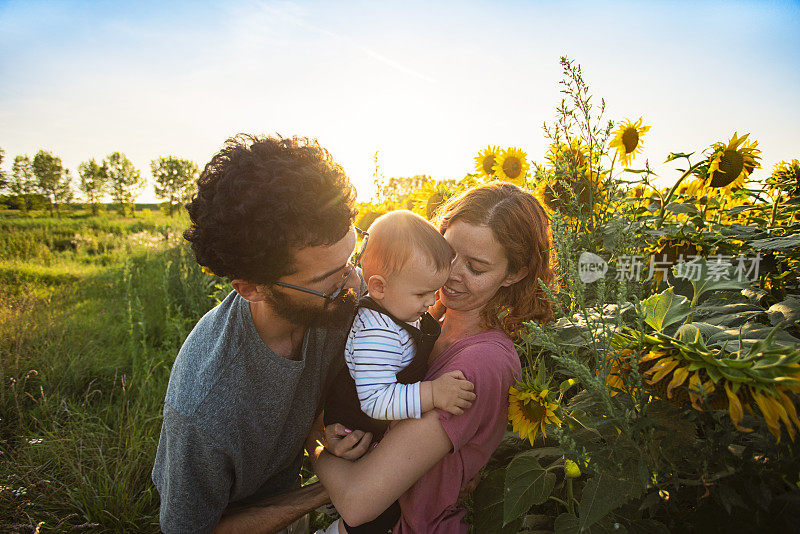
39	202
42	182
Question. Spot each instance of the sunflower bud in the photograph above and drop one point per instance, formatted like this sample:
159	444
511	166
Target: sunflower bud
571	469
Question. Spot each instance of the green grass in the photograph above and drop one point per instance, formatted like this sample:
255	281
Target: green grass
88	333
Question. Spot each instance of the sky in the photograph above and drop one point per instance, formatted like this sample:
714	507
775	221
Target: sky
426	84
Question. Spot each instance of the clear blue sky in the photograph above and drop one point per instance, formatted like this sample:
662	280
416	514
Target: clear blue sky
428	84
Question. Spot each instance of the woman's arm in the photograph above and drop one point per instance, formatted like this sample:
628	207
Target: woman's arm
361	490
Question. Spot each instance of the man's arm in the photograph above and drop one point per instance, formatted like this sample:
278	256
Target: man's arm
275	513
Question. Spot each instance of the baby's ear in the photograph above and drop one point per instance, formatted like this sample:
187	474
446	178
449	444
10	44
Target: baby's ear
376	286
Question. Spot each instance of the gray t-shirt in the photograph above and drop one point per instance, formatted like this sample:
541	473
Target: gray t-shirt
236	416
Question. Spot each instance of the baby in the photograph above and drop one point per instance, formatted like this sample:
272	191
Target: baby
405	262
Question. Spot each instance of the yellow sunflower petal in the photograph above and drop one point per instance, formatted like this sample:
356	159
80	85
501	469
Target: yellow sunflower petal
770	412
788	405
694	395
678	378
660	370
735	409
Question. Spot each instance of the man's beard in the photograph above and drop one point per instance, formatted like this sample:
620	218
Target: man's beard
330	313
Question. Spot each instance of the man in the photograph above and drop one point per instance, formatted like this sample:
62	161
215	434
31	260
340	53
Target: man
275	217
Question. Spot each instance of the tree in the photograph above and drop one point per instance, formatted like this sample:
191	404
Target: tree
3	179
175	180
92	182
23	182
124	181
398	188
64	192
52	180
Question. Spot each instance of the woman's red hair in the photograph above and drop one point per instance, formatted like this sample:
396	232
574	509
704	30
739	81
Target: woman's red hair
521	226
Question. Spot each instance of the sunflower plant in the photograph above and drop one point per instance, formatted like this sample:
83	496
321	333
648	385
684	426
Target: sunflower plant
673	395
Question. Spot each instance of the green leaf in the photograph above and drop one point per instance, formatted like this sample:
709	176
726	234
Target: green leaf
681	207
488	505
665	308
715	312
566	384
536	521
751	334
527	483
704	279
788	242
566	524
786	312
677	155
603	494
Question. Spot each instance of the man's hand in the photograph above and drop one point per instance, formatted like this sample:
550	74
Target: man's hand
346	443
274	513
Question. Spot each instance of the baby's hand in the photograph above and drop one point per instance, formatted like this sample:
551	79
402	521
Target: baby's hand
452	392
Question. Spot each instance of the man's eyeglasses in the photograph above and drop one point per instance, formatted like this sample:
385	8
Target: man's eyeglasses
354	261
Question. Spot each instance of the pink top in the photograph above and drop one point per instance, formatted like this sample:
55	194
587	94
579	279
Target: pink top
489	361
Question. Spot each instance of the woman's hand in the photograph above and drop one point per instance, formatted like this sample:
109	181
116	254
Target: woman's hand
345	443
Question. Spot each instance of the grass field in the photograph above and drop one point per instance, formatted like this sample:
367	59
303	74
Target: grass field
92	313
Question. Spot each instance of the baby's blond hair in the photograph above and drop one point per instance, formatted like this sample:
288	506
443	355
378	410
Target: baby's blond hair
394	237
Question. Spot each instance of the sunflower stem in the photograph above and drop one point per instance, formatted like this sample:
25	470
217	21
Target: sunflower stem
559	501
672	192
570	496
774	211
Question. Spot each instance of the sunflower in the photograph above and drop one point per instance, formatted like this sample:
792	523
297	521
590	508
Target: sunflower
628	140
687	372
620	367
644	196
575	156
529	411
570	183
511	166
486	160
670	250
728	166
426	199
785	179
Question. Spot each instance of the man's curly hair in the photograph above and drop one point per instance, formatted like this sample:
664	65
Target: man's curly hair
259	198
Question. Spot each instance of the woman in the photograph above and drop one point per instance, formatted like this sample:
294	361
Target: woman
499	233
